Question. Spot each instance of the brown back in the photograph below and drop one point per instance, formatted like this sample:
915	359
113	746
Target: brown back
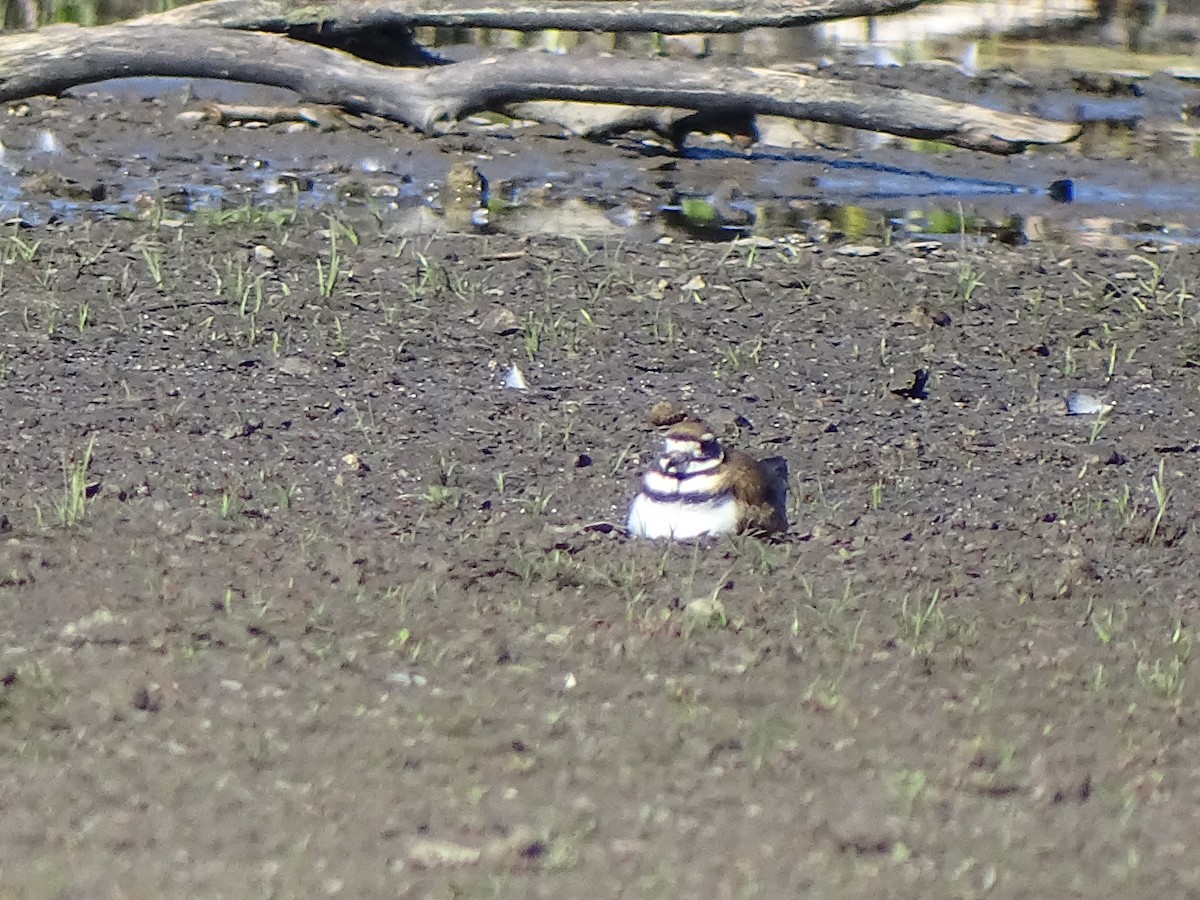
762	488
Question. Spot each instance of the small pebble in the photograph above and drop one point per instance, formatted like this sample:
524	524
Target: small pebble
265	256
925	316
664	413
706	611
502	321
858	250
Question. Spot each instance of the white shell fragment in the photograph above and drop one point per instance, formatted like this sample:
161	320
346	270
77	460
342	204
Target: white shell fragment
48	142
515	379
1080	403
405	679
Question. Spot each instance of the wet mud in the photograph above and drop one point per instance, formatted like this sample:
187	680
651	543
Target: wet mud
300	599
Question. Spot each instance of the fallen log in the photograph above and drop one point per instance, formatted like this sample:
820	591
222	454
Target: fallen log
54	59
298	18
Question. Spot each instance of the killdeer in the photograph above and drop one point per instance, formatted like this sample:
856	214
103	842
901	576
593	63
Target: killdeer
698	488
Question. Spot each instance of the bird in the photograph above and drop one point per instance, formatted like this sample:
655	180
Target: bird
697	488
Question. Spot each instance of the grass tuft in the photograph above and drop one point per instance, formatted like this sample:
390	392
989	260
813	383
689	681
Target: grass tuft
71	509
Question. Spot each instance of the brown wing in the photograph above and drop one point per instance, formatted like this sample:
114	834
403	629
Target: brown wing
762	488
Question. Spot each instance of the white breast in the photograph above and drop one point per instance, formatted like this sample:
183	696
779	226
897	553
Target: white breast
650	518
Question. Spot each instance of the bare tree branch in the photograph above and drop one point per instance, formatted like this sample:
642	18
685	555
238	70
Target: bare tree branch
51	60
663	16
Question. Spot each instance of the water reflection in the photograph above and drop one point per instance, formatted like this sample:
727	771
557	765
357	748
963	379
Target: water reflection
797	196
833	184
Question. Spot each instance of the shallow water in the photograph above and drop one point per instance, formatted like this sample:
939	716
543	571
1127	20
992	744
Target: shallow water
1123	182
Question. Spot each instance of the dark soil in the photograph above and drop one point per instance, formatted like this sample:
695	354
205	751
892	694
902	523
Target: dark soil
299	600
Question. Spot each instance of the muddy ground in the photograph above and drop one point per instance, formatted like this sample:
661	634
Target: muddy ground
299	600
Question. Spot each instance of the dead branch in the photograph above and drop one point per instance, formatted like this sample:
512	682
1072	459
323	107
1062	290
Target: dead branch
296	17
54	59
